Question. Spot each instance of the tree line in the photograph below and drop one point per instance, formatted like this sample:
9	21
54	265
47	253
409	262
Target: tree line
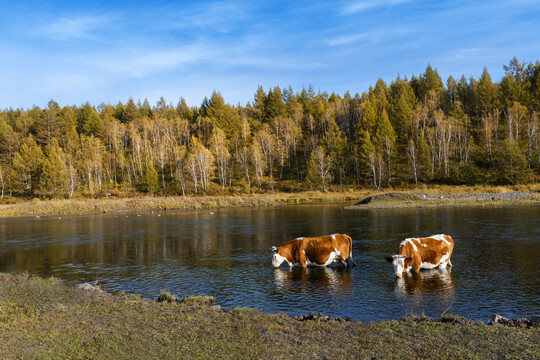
412	131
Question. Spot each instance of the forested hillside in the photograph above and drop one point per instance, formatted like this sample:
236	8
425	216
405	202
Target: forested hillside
411	131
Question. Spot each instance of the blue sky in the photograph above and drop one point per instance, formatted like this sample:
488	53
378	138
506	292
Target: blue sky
108	51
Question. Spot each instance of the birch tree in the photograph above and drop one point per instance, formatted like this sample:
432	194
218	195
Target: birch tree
218	143
412	157
259	164
320	164
267	142
243	158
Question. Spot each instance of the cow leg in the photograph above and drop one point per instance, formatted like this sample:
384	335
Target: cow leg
450	263
341	261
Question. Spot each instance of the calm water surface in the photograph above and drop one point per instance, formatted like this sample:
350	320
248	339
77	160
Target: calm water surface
225	254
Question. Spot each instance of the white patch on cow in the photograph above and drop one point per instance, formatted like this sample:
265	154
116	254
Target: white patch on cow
420	242
277	260
444	261
333	236
428	265
410	240
440	237
331	257
441	264
300	238
399	264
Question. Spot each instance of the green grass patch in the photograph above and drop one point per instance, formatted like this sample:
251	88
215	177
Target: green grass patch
45	319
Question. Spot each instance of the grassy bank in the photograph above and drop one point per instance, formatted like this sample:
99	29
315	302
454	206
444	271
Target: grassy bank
421	200
91	205
411	197
45	319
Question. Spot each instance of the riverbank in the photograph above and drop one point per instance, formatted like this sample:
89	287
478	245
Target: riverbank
91	205
46	319
421	200
419	197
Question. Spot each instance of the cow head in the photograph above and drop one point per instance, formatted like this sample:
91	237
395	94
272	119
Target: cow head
400	262
277	259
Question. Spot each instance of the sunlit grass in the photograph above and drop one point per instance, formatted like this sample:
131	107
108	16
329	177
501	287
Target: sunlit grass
46	319
10	206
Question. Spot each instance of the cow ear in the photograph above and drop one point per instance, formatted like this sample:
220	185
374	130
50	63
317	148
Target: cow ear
273	248
389	258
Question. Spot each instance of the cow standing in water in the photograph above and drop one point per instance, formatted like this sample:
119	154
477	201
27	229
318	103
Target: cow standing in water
422	253
315	251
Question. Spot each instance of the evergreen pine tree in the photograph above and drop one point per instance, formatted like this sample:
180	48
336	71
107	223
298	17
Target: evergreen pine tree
54	170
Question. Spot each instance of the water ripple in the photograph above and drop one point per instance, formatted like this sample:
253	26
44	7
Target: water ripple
226	255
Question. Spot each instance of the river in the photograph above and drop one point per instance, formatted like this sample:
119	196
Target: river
225	253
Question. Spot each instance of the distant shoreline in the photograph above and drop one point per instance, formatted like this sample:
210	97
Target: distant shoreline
418	200
438	196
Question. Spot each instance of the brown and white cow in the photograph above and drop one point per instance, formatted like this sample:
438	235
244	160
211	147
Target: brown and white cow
422	253
315	251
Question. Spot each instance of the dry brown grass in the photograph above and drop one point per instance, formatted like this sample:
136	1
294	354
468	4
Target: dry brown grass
76	206
20	207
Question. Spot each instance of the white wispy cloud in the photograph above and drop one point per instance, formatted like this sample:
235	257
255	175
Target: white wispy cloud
73	28
468	53
363	5
390	36
345	39
140	62
216	16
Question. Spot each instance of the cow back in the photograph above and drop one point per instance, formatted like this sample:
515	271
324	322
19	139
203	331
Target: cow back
429	249
318	249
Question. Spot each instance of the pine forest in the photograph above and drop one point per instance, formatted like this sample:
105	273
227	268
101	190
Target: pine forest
413	131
